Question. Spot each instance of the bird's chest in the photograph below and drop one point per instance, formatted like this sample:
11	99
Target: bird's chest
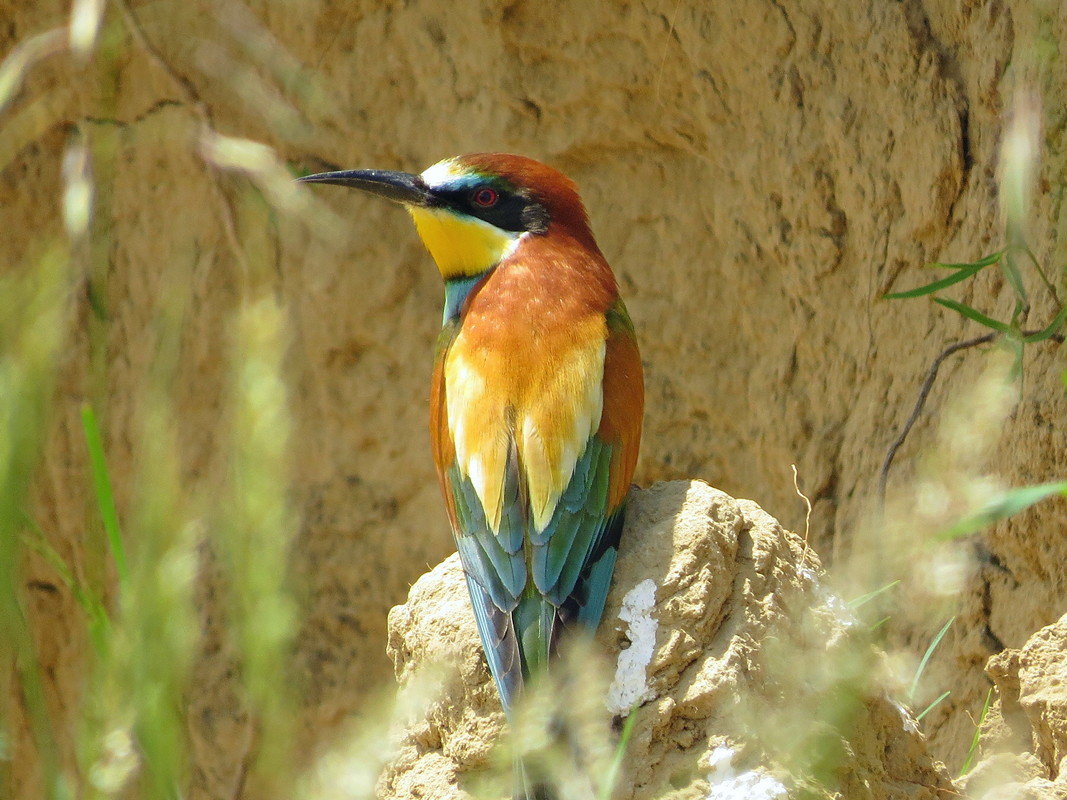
520	356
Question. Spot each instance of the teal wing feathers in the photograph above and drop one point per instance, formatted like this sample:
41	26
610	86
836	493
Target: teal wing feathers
495	568
494	560
520	606
564	548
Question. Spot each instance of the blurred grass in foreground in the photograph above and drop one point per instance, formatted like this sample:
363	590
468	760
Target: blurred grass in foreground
34	309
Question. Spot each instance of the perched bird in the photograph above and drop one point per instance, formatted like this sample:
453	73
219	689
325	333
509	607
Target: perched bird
536	399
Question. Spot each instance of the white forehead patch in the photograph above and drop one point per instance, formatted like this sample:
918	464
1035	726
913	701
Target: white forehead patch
441	173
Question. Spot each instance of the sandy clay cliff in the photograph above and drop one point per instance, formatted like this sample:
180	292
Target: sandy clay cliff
758	174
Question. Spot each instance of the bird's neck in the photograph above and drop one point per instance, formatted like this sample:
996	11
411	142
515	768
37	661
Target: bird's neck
457	290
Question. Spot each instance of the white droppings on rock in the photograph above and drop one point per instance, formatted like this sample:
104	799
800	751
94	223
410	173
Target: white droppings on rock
719	760
630	686
726	783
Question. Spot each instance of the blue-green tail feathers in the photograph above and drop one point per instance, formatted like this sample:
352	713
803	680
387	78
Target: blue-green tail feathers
499	643
527	585
592	591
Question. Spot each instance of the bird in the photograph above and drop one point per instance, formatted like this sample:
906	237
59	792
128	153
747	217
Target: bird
536	397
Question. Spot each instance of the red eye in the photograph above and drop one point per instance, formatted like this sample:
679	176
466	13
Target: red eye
484	197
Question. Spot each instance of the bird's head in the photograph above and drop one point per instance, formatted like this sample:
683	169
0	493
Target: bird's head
472	211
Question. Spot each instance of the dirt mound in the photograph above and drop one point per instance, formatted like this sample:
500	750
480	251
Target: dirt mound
1024	736
751	678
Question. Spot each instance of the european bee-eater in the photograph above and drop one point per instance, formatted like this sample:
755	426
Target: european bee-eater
536	399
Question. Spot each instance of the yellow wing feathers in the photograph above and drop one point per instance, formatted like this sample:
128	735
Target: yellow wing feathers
550	406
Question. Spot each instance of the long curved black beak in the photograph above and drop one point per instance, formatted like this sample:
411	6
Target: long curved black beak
400	187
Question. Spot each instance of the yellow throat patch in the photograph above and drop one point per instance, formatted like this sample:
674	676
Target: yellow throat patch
461	246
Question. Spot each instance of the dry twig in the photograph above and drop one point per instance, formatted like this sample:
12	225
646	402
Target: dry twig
924	393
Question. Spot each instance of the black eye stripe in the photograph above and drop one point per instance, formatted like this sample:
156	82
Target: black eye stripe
497	205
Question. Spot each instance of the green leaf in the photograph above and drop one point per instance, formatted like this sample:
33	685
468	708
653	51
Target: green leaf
977	734
926	657
1040	271
1001	506
105	497
992	258
1015	279
865	598
931	707
1049	331
966	271
974	314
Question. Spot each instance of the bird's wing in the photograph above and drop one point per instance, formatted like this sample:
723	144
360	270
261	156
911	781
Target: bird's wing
494	564
574	556
624	403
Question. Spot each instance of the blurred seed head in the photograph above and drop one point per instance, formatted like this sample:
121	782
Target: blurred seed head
262	166
259	94
1018	161
973	422
20	60
351	769
561	729
77	188
117	762
85	19
259	162
947	569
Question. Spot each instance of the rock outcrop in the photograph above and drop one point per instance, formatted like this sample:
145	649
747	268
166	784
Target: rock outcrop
1024	735
750	679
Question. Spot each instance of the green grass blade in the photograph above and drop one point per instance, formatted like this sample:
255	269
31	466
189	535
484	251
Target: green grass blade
965	272
1015	280
974	314
608	787
986	261
1051	330
969	761
866	598
934	704
105	498
1001	506
926	657
1040	271
99	621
